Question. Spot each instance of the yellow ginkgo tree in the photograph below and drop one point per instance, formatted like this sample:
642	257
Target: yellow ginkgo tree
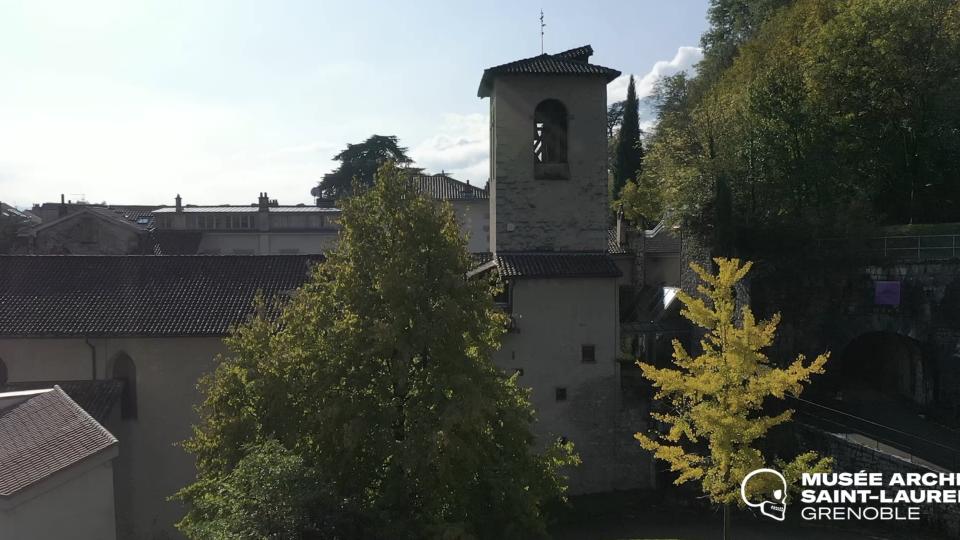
715	403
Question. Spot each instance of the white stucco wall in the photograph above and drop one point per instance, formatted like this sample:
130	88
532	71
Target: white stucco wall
555	317
473	217
150	468
267	243
76	503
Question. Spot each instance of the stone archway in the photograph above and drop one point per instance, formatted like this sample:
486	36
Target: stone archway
889	363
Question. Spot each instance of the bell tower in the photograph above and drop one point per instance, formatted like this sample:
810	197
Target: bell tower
548	153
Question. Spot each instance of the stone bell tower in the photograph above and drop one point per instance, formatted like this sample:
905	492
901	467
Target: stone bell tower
548	153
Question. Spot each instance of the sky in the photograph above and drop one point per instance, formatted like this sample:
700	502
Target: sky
133	102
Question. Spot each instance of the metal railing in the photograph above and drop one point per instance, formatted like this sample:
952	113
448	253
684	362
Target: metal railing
906	248
879	437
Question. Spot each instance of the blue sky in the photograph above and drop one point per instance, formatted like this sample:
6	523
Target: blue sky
134	101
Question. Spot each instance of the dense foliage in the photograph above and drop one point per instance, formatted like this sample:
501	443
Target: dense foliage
716	402
359	163
375	394
812	115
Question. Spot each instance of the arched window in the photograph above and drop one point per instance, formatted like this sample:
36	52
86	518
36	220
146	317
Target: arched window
3	373
550	133
125	370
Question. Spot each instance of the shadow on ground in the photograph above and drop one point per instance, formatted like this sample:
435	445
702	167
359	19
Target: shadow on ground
651	516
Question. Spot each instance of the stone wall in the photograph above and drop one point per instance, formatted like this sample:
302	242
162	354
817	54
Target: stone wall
852	457
530	214
828	303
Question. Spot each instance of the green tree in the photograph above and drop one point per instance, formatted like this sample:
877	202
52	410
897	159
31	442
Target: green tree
360	162
376	379
813	118
629	146
614	118
270	493
716	401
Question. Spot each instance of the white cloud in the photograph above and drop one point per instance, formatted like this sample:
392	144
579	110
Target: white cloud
461	146
685	59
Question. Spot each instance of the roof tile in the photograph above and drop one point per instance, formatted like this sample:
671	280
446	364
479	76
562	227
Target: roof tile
570	62
103	296
45	434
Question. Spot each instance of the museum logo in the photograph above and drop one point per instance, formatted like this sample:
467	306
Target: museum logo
771	488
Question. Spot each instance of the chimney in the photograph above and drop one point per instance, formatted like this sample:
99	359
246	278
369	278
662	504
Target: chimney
179	203
62	209
263	203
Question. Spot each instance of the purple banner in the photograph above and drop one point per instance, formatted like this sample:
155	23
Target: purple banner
886	293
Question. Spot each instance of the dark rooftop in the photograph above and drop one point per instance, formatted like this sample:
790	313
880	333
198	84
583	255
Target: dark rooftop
570	62
442	187
44	434
95	397
553	265
112	296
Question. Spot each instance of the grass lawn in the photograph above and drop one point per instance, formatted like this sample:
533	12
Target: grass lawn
649	516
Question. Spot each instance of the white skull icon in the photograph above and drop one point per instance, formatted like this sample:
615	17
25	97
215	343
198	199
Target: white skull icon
774	504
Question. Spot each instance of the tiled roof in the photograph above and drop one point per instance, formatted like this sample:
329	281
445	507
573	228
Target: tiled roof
613	243
23	217
442	187
95	397
45	434
101	296
556	265
661	240
141	215
103	213
571	62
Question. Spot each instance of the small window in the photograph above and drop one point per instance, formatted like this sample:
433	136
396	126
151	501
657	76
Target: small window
588	354
561	394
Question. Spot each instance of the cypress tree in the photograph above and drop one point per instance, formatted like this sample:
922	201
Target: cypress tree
629	146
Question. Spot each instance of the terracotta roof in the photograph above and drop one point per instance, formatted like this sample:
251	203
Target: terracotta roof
556	265
44	434
102	296
570	62
442	187
95	397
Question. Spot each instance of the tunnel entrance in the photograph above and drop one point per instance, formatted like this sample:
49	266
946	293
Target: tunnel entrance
884	363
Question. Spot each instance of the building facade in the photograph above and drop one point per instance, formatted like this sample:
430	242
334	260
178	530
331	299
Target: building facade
550	242
266	228
56	469
156	324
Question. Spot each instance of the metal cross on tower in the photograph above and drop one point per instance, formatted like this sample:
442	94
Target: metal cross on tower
542	26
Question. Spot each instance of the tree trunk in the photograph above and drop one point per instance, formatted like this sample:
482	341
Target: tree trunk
726	522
